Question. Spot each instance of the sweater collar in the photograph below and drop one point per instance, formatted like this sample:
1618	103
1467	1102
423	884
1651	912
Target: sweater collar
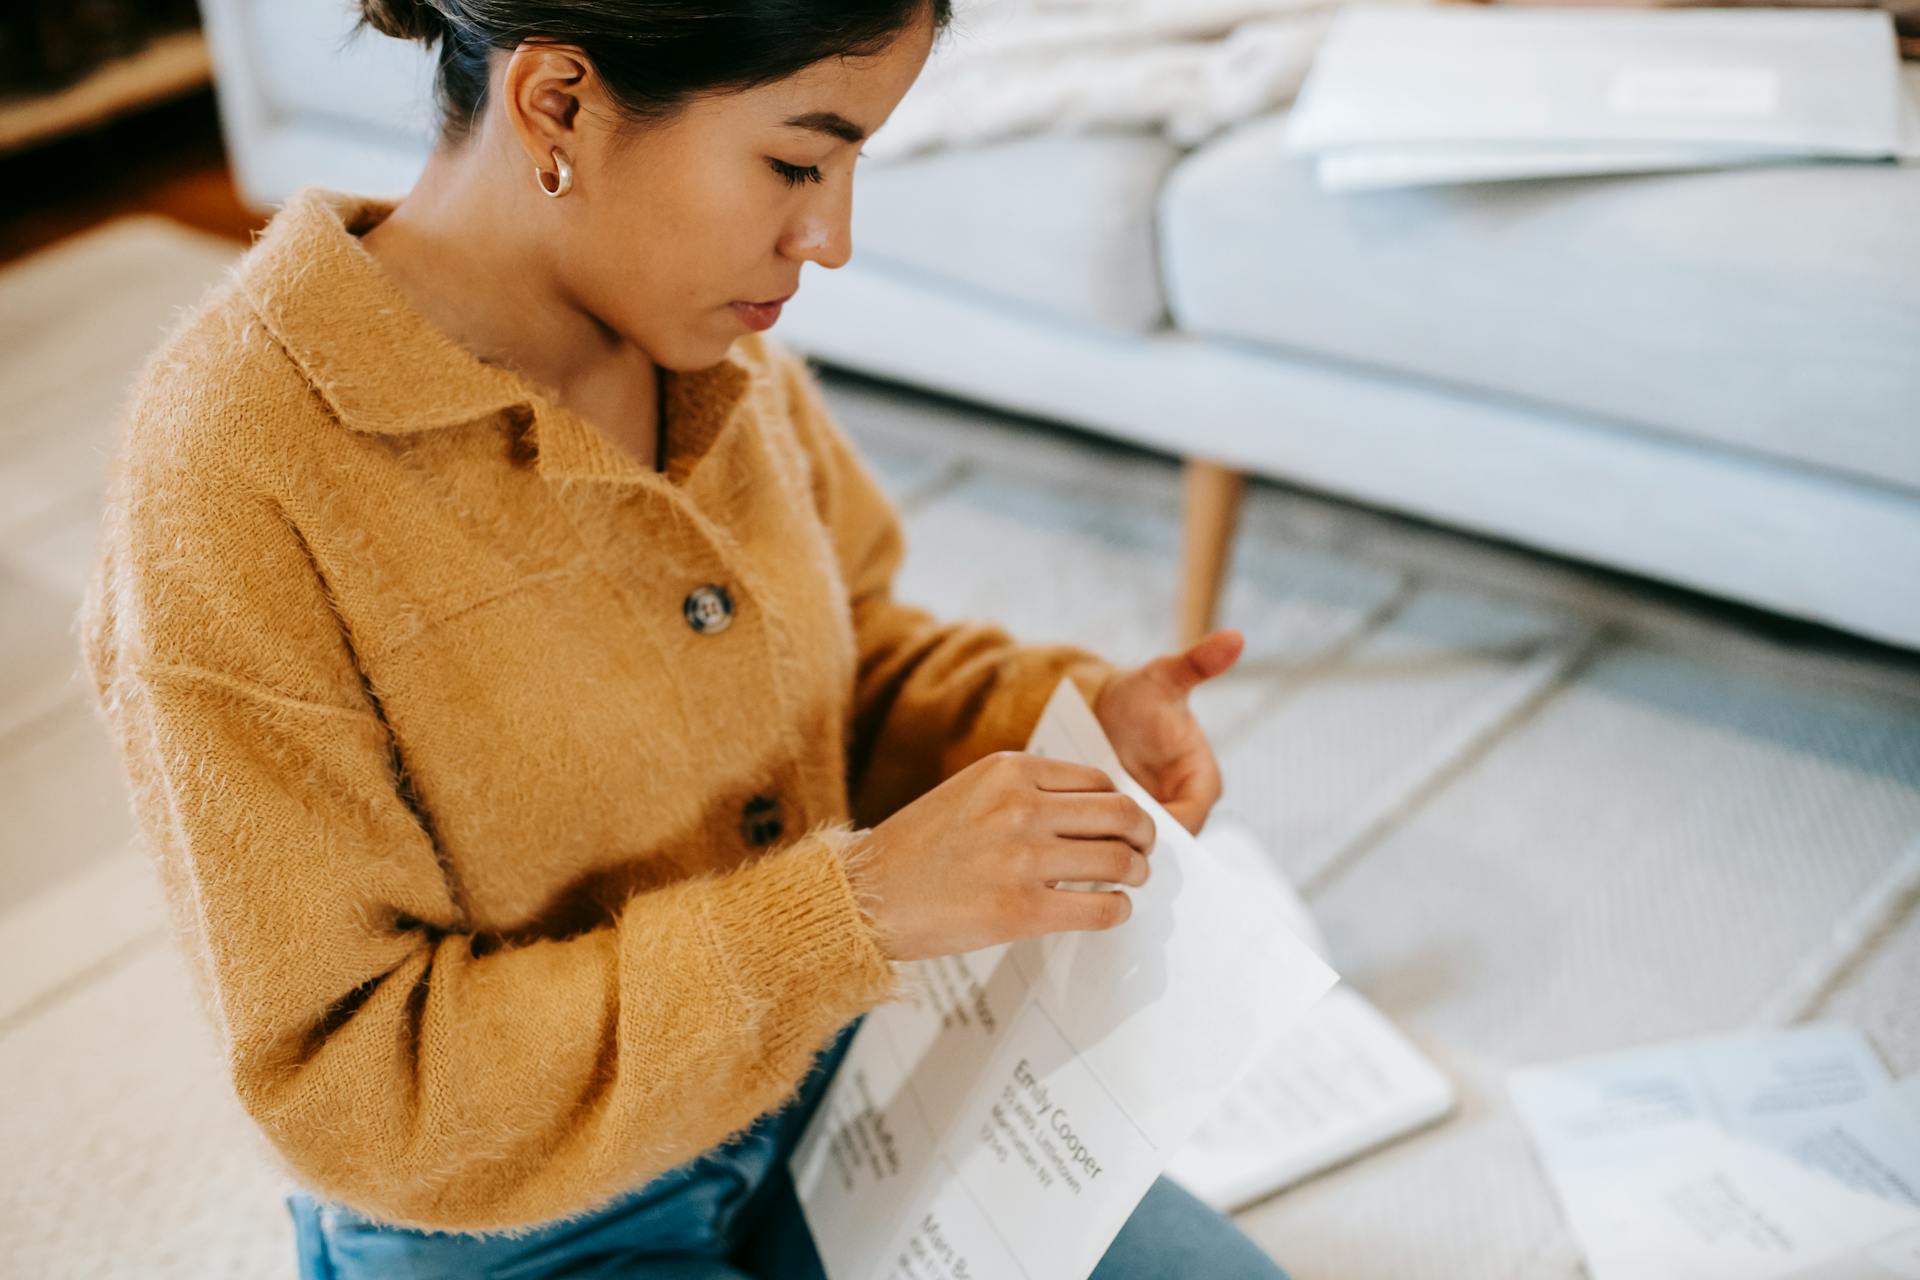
383	367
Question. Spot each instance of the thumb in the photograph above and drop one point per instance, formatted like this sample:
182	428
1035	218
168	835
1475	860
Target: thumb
1208	657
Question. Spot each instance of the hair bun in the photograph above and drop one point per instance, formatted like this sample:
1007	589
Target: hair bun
405	19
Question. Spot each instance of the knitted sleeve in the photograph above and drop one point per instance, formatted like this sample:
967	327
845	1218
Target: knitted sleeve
931	697
398	1063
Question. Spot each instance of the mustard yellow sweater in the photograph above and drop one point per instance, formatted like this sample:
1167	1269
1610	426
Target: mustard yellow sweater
500	785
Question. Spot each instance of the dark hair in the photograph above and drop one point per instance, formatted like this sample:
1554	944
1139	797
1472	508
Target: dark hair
653	55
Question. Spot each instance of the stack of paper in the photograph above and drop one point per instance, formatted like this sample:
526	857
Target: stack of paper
1778	1156
1405	97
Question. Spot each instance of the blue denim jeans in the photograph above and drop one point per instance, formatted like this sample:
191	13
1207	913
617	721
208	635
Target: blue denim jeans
728	1214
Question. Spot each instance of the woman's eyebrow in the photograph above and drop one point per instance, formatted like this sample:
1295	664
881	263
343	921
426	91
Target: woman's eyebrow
829	122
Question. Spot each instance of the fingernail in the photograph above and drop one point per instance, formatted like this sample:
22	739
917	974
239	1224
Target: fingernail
1140	869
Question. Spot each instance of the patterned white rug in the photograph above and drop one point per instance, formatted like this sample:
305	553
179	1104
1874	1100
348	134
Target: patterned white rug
1537	811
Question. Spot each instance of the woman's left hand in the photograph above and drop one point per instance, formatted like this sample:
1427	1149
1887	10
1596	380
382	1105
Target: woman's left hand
1145	714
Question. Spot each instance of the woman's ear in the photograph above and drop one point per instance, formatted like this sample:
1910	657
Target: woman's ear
546	89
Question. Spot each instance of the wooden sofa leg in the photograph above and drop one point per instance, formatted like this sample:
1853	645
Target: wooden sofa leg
1212	509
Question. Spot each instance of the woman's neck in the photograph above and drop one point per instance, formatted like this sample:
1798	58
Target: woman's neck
471	273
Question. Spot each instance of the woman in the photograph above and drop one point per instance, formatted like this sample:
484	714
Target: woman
498	636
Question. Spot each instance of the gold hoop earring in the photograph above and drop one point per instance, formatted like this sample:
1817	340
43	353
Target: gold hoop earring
565	181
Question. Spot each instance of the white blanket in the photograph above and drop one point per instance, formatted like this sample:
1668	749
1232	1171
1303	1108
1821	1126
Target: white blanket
1187	67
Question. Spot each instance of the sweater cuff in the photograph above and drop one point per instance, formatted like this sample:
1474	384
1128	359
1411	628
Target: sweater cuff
802	950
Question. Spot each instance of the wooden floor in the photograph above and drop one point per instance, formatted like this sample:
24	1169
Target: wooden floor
168	159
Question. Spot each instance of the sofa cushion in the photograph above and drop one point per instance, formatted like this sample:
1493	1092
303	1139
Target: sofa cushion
1063	223
1774	309
311	68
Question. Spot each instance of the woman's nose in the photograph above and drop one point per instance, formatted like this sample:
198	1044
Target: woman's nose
824	235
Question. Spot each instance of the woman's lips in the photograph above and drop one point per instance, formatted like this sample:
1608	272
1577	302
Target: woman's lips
760	315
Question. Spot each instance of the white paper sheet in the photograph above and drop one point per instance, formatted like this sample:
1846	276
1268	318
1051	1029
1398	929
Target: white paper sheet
1458	94
1339	1083
1813	82
1342	1082
1006	1120
1764	1157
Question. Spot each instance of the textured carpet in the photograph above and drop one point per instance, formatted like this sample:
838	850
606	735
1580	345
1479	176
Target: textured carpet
1538	811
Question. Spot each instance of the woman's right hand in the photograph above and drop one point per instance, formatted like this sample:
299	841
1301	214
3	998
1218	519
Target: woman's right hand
974	861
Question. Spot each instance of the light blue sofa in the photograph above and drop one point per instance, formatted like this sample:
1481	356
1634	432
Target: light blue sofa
1712	379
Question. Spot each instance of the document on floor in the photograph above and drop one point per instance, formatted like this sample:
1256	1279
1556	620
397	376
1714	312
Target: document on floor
1339	1083
1007	1117
1776	1156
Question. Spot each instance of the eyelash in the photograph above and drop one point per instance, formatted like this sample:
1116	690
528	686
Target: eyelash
797	174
